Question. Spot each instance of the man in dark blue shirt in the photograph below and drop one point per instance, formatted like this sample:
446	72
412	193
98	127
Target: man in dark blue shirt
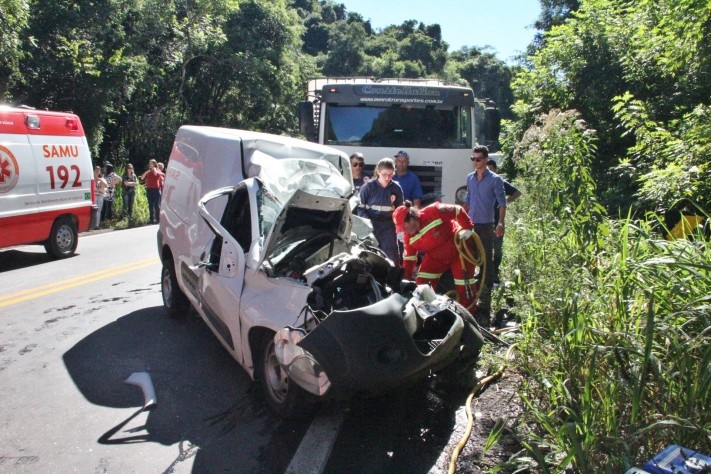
512	193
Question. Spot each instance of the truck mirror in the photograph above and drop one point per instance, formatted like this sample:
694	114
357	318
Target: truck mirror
306	120
492	124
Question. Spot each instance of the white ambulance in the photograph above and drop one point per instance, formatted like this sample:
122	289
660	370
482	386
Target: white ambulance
46	179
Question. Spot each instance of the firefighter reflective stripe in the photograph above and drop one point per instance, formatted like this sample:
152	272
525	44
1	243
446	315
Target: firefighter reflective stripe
460	282
425	229
428	276
379	208
409	258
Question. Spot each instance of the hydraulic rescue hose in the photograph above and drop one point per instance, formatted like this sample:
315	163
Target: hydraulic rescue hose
468	408
471	250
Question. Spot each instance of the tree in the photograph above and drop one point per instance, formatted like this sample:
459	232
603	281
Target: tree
489	77
654	54
13	20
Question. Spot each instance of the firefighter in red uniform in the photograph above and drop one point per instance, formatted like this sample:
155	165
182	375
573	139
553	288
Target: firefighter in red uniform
432	230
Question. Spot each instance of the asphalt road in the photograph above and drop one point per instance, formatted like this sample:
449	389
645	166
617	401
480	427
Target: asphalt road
71	333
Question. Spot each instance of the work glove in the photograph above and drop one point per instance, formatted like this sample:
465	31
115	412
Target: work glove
466	234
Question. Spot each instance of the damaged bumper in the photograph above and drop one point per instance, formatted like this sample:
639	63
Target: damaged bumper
376	348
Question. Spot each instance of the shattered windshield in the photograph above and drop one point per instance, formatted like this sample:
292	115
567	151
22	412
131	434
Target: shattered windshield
269	207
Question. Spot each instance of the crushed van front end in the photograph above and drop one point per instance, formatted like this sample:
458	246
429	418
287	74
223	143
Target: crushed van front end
379	347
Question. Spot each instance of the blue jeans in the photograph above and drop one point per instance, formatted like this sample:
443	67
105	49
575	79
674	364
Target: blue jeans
96	213
153	195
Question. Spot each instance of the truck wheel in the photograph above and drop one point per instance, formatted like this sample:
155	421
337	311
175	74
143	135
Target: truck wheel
286	399
174	300
63	238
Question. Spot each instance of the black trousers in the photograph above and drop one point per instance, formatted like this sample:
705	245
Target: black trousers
486	235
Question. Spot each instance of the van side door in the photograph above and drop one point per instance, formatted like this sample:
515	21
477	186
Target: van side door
220	285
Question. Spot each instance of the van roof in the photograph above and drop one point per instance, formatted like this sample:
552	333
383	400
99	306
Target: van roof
277	146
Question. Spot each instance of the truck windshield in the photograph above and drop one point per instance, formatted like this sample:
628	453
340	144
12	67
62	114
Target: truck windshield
397	126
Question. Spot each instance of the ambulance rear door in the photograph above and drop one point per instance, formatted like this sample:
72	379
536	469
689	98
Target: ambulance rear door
63	169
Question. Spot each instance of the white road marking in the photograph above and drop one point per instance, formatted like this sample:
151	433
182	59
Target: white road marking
316	446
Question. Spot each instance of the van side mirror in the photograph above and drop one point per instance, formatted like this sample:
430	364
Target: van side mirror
307	127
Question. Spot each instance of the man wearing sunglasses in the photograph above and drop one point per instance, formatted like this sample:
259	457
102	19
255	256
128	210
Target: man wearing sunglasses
485	190
359	178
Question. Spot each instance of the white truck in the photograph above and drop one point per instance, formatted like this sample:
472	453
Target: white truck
436	123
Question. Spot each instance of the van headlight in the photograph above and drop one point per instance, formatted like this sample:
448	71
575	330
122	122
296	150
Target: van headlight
302	368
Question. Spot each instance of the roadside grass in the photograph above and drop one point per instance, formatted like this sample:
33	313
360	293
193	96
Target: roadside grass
617	355
140	214
616	323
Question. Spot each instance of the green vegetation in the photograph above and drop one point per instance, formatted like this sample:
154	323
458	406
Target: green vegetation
616	343
607	125
134	71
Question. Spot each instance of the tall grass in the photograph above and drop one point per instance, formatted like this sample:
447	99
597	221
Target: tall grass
140	214
616	320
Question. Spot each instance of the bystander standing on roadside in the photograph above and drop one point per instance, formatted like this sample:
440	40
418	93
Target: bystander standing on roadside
153	180
100	185
512	193
161	168
484	190
130	180
378	199
408	181
112	179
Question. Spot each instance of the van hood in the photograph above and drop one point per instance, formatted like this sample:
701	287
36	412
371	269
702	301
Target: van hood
314	194
283	176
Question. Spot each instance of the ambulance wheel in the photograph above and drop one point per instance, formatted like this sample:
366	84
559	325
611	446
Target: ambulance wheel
174	300
63	238
284	398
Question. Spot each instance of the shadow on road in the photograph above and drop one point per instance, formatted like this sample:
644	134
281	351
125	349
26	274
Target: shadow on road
405	431
14	259
205	402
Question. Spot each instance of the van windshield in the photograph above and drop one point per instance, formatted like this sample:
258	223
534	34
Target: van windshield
269	208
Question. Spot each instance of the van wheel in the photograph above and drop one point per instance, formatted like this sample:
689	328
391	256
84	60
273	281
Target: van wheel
286	399
63	238
174	300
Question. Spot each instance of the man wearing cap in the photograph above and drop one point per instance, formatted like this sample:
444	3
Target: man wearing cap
432	231
408	181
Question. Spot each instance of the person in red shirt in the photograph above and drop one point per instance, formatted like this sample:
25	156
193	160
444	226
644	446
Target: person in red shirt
153	178
432	230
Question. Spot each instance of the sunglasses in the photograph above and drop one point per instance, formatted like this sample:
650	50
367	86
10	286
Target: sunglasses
358	165
477	158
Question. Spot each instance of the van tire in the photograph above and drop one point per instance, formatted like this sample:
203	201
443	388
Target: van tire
174	300
286	399
63	238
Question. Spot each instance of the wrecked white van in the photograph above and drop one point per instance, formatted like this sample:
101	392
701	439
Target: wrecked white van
257	234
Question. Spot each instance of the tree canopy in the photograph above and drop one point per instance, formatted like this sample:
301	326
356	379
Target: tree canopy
135	71
639	74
